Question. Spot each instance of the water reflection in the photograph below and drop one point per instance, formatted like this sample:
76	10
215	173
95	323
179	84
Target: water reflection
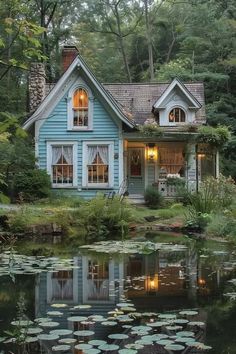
85	293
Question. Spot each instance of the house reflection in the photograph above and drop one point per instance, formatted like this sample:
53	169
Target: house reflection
163	280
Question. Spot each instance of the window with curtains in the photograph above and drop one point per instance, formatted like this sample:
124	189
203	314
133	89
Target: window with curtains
62	164
177	115
62	285
171	160
80	108
98	280
98	164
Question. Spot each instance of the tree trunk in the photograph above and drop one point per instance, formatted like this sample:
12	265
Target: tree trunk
121	44
149	41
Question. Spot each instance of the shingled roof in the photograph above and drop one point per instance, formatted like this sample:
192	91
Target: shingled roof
137	99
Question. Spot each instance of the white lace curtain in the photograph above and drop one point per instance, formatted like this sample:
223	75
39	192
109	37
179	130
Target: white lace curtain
102	150
171	159
62	289
59	151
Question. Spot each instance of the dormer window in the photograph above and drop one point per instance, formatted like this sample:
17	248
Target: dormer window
177	115
80	108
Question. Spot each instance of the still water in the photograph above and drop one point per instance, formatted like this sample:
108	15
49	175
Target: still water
120	297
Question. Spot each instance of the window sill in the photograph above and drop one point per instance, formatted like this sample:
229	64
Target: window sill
97	187
63	187
80	129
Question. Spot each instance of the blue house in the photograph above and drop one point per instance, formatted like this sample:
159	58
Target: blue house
88	136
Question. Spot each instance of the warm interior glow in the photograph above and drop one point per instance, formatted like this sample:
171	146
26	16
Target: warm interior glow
201	155
152	153
201	281
152	283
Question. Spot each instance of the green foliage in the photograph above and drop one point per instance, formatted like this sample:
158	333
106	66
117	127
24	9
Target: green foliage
153	198
196	220
151	130
18	221
222	225
4	199
175	181
32	185
104	218
213	136
214	195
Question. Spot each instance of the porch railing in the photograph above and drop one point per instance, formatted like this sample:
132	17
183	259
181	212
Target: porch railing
166	189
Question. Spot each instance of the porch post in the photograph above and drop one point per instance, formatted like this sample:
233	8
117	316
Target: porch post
191	173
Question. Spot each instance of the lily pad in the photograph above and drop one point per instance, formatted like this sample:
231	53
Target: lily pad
84	333
61	332
185	334
97	342
83	346
109	323
118	336
188	313
91	351
76	318
108	347
67	340
49	324
47	337
60	348
127	351
21	323
59	306
54	313
174	347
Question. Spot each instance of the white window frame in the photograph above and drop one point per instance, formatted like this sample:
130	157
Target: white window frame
74	145
110	183
70	111
74	282
174	122
111	277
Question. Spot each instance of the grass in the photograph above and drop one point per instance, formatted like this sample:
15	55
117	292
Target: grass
175	212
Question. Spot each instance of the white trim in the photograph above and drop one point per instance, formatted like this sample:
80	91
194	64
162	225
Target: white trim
174	123
74	286
121	161
59	90
79	84
74	144
181	86
111	290
110	183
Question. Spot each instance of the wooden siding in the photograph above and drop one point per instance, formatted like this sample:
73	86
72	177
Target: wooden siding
97	308
55	129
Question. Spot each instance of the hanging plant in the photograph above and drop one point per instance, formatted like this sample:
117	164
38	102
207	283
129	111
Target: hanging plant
213	136
151	130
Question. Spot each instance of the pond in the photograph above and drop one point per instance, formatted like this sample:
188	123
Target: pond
121	297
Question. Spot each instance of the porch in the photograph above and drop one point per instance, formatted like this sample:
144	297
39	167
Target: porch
166	166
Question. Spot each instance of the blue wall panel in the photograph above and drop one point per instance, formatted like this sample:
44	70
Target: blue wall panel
55	129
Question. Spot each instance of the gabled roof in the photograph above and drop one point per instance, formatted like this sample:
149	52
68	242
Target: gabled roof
176	83
139	98
58	91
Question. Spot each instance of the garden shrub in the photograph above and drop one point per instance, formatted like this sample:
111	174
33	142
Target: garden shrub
32	185
153	198
104	218
213	136
196	221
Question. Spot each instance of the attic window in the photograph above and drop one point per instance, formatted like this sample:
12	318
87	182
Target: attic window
177	115
80	108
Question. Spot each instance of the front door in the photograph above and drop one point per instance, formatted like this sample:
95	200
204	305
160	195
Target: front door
135	170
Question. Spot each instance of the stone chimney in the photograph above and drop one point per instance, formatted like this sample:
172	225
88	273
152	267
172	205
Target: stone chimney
37	85
69	53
